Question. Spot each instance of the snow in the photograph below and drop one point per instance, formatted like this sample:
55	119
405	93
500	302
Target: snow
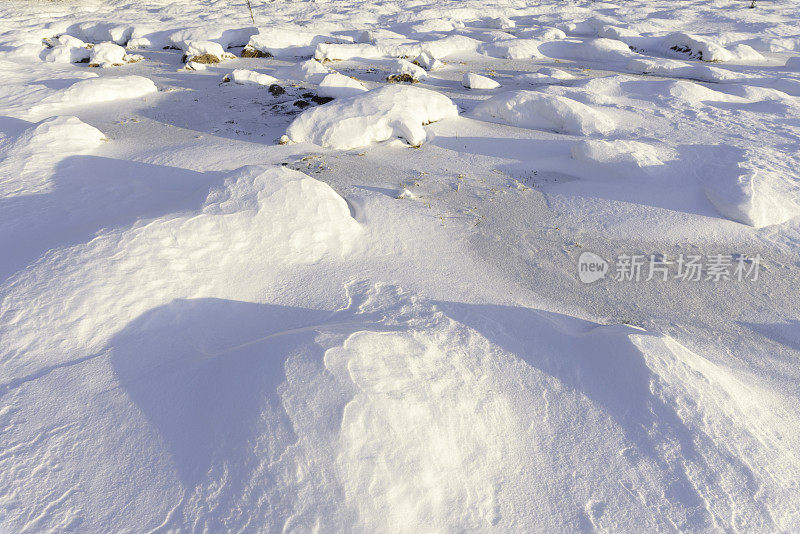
682	44
427	62
337	85
372	117
110	55
243	77
531	109
476	81
745	188
27	161
680	69
338	52
592	50
307	71
619	154
512	49
398	67
91	91
233	306
192	50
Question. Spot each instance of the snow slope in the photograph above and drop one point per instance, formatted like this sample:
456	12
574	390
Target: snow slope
341	292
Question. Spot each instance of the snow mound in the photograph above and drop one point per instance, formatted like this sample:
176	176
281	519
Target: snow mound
110	55
679	69
399	68
793	64
242	77
311	71
500	23
204	52
450	46
94	91
336	85
546	75
372	117
542	34
340	52
540	111
427	62
27	163
97	32
273	217
695	93
746	187
66	49
290	41
705	49
512	49
591	50
618	154
476	81
388	410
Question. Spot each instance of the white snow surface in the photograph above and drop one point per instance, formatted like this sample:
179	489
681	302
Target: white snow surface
228	308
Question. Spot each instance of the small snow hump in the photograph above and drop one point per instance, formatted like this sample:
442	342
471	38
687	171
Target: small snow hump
541	111
372	117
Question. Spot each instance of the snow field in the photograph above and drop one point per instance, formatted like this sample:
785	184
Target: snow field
376	323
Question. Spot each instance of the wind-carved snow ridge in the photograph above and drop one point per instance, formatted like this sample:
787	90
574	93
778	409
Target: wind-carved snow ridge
372	117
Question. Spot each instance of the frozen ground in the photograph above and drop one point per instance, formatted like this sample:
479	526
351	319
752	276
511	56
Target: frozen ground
228	303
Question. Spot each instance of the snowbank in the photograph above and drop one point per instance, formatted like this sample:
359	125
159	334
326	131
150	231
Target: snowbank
531	109
372	117
476	81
